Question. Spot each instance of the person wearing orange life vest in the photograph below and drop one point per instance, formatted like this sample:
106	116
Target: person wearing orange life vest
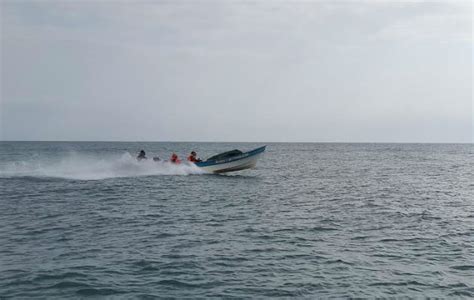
193	157
174	159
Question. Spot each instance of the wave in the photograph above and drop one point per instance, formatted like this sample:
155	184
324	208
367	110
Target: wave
83	167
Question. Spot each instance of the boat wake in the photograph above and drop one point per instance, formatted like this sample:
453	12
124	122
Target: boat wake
81	167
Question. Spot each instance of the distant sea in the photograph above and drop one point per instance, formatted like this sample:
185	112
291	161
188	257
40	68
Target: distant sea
84	219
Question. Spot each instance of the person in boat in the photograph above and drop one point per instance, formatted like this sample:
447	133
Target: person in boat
141	155
193	157
174	158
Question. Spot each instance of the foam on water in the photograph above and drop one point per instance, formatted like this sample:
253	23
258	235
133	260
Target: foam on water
82	167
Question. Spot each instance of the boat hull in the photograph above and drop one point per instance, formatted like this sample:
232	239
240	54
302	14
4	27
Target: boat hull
247	160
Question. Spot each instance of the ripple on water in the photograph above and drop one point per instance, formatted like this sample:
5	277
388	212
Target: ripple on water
312	221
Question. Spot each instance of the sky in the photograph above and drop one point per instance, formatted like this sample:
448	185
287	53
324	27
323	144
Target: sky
256	71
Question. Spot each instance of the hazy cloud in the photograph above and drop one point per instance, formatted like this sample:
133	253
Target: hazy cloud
237	71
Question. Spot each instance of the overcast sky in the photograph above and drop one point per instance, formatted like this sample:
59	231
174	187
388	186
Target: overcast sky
322	71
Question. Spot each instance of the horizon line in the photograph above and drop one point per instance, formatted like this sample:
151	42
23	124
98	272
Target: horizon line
246	142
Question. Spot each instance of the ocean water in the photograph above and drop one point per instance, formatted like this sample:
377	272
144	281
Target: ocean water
312	220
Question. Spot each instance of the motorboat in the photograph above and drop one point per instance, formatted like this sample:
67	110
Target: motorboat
231	161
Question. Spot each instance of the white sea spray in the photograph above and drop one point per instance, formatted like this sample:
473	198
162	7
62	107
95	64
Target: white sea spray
89	167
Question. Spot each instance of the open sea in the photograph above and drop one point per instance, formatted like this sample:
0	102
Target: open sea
81	219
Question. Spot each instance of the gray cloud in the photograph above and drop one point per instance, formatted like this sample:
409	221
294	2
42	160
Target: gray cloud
237	71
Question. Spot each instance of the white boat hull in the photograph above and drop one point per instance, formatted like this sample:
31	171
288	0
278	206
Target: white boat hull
244	161
242	164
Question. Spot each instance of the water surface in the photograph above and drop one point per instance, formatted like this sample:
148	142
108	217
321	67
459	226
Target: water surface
313	220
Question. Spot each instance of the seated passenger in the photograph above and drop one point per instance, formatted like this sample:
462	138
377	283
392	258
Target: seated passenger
141	155
174	159
193	157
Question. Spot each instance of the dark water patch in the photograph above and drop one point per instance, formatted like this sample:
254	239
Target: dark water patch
59	276
91	292
163	235
402	283
35	232
181	284
147	296
361	237
68	284
463	268
388	255
322	228
469	293
20	282
339	261
232	258
268	292
144	263
264	250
